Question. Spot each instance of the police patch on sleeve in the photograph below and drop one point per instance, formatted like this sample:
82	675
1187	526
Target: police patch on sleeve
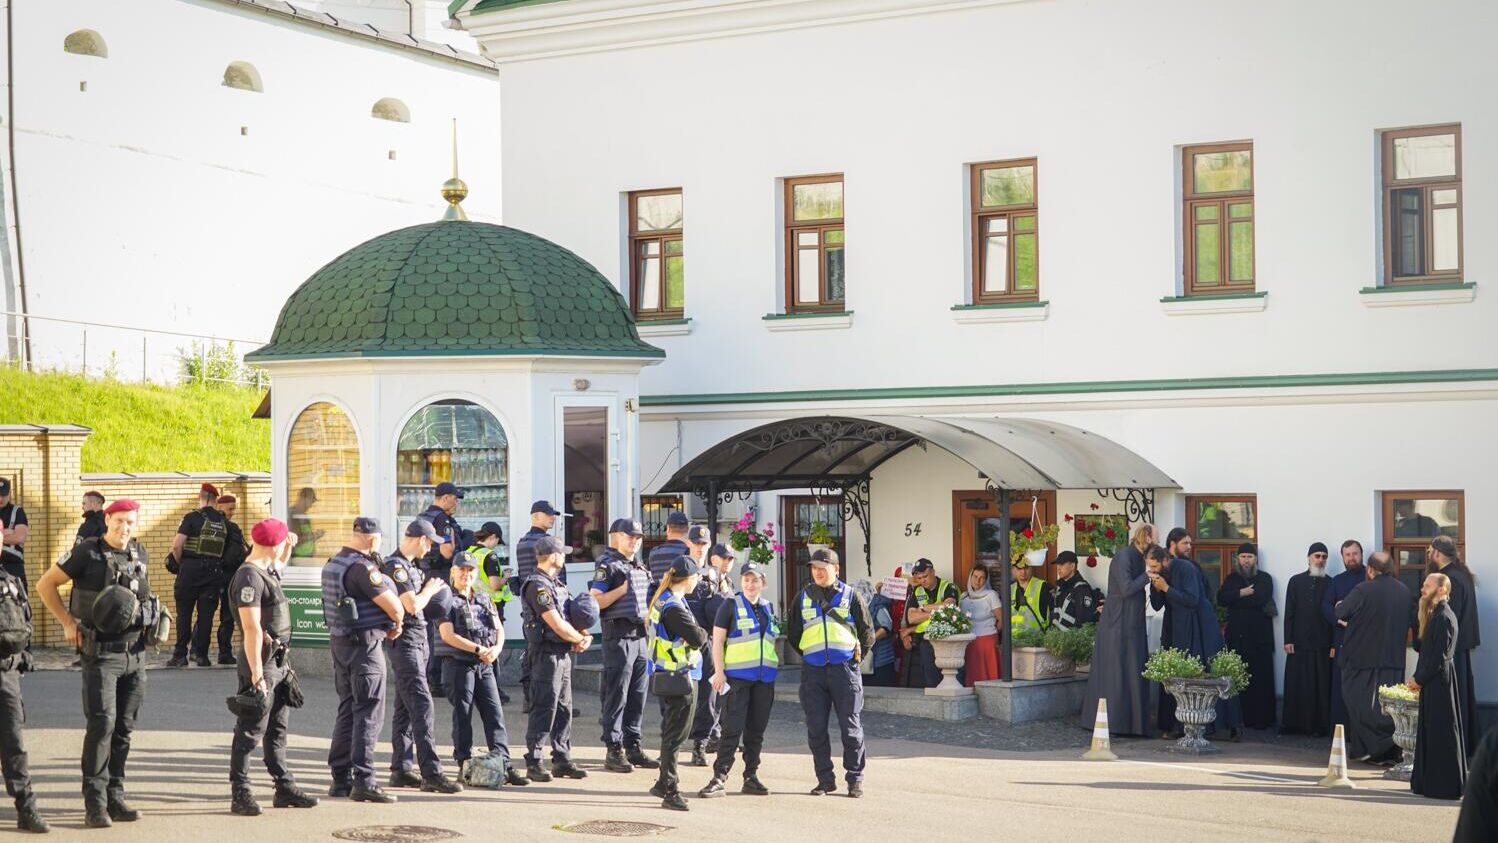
543	598
601	574
247	594
400	573
375	577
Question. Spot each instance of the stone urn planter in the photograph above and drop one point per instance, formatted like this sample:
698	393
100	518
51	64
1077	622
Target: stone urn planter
1084	667
1406	714
1038	663
1196	708
951	652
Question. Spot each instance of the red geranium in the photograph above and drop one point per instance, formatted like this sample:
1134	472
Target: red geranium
1092	561
1028	533
1095	507
1110	534
1068	516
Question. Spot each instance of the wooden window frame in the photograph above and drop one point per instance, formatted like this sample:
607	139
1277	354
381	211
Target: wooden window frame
792	578
664	503
980	216
1190	201
1428	186
1228	547
1393	544
792	250
637	241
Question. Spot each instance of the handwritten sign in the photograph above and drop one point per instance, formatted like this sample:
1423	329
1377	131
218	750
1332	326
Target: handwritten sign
894	588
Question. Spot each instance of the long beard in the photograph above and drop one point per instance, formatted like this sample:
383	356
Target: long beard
1427	606
1318	571
1248	571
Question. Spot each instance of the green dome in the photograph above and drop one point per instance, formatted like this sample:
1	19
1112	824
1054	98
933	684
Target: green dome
455	288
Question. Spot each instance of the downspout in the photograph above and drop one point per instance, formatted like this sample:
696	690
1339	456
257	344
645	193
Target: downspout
15	202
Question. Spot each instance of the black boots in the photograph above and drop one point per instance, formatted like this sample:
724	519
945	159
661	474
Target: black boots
638	758
753	786
342	787
674	802
27	819
713	789
121	812
403	778
291	796
243	803
615	762
373	793
515	778
699	758
567	770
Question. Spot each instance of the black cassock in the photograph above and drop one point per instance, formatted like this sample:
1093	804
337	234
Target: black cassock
1308	670
1468	638
1478	822
1440	754
1251	633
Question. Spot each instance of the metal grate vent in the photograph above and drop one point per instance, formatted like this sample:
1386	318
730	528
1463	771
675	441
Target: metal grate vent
615	828
395	834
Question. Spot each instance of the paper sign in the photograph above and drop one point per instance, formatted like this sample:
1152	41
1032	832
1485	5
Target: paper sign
894	588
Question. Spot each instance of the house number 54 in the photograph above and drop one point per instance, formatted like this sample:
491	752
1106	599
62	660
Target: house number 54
913	529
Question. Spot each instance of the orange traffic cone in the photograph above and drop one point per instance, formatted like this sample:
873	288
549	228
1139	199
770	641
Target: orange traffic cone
1336	768
1101	749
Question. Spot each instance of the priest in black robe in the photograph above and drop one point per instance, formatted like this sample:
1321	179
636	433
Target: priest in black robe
1445	559
1248	596
1178	586
1478	821
1353	574
1123	645
1440	753
1308	643
1377	613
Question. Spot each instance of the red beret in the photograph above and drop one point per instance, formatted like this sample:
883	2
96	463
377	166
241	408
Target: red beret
268	533
227	499
210	489
121	505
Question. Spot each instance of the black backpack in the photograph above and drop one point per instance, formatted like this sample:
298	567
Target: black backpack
15	620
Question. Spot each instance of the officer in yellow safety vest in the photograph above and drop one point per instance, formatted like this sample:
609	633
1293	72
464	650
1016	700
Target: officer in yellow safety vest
493	581
744	666
1029	601
930	593
829	625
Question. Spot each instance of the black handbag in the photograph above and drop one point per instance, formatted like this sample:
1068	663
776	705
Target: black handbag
671	683
291	690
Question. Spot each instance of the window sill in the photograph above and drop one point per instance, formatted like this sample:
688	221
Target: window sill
664	327
809	321
1202	305
984	314
1411	295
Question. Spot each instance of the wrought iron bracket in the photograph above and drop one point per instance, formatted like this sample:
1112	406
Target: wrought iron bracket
1139	504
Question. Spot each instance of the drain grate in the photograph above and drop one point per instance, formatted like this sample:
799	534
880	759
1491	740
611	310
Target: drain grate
615	828
395	834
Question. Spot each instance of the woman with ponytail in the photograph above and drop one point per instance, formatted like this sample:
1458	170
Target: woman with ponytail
676	667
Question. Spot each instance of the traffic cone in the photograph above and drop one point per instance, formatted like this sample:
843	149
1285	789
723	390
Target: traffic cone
1336	767
1101	750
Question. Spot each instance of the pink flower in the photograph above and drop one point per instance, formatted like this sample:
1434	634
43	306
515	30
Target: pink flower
1068	516
778	547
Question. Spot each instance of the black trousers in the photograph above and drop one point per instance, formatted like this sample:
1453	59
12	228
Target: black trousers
472	685
550	719
676	723
273	724
746	715
359	679
225	616
12	745
114	685
196	591
623	691
413	726
834	689
705	719
925	663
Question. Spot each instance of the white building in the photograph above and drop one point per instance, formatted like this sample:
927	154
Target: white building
1299	374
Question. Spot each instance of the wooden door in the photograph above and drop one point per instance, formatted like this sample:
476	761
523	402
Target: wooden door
975	530
797	514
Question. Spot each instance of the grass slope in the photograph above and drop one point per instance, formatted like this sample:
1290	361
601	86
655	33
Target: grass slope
143	427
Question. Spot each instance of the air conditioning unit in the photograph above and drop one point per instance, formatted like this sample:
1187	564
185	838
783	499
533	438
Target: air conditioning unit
728	512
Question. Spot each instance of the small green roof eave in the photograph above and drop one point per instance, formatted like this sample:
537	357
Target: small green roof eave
262	356
494	5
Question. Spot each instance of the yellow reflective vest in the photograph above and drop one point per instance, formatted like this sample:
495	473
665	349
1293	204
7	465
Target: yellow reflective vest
925	598
1026	615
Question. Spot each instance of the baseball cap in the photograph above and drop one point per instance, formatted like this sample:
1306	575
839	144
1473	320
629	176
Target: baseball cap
1066	557
721	551
464	559
627	526
268	533
697	534
490	528
4	485
755	569
824	556
677	518
543	507
366	525
549	545
446	488
922	566
684	566
423	528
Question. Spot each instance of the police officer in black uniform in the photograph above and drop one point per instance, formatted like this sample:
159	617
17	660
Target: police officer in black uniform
235	551
199	552
549	612
13	523
361	610
15	635
413	727
266	685
665	554
704	601
620	586
111	616
437	562
1073	602
543	518
93	517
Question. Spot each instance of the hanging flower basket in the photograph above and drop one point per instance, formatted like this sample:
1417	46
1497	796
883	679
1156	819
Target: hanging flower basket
1032	544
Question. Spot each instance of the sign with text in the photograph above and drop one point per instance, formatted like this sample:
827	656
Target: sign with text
894	588
307	626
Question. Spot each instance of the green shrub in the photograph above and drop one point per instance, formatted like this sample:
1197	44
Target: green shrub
1172	663
1075	644
1029	637
1229	663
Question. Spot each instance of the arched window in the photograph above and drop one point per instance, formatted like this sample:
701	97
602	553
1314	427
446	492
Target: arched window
392	109
458	442
85	42
244	76
322	481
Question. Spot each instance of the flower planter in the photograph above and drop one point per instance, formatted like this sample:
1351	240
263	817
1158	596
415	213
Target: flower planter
951	653
1084	667
1406	715
1035	558
1038	663
1196	708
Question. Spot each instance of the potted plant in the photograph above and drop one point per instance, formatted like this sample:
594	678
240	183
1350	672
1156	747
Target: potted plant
949	633
1196	691
1074	644
820	537
1098	535
1403	705
1032	543
762	547
1033	661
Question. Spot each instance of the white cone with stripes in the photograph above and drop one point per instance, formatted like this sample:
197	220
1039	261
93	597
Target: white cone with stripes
1336	768
1101	748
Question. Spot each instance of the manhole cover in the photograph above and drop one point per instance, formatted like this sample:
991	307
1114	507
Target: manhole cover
616	828
395	834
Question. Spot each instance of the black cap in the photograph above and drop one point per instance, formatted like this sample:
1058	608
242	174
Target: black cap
490	529
756	569
1066	557
549	545
4	485
1318	547
922	566
464	559
582	611
1248	547
445	488
684	566
422	527
627	526
677	518
720	551
366	525
543	507
825	556
698	534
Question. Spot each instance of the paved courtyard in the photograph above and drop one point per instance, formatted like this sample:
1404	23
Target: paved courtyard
959	780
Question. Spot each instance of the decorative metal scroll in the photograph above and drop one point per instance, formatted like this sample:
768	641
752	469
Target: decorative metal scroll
1139	504
856	506
827	431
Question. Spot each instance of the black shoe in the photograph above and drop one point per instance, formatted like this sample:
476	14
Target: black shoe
674	801
227	658
537	773
403	778
174	661
638	758
504	699
515	778
712	745
373	793
291	796
440	784
713	789
824	789
615	762
243	803
755	787
202	661
120	811
698	758
27	819
855	790
1235	735
341	788
659	791
97	816
567	770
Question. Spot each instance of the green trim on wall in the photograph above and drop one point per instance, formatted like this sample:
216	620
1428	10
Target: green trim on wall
645	322
1078	387
1412	288
499	5
831	314
1000	305
1259	295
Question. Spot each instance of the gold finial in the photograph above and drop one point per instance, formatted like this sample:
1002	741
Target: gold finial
454	190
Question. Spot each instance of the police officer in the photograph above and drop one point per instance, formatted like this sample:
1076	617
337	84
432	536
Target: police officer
555	626
1073	600
437	562
470	642
93	517
745	666
111	616
264	617
235	550
704	601
929	594
413	726
675	654
620	585
664	555
199	551
493	581
15	636
13	523
360	609
543	518
829	625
